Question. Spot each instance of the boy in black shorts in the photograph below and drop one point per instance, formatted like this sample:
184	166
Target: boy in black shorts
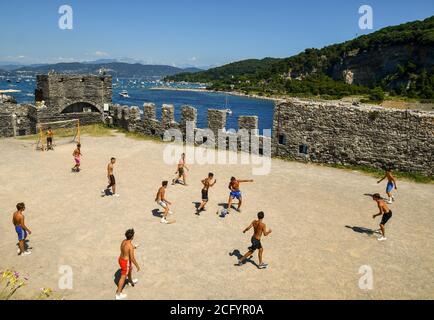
207	183
385	212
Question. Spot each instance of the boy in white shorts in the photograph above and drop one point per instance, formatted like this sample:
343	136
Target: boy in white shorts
163	202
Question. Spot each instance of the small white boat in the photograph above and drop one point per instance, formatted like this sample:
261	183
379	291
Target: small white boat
124	94
228	111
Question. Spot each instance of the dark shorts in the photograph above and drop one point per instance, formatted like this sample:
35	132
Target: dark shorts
181	171
256	245
49	140
204	195
386	217
112	180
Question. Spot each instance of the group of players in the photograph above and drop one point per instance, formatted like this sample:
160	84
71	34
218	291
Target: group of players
127	257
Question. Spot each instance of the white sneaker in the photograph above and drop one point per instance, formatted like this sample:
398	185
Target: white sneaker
170	212
164	221
382	239
121	296
116	195
26	253
18	250
389	201
134	281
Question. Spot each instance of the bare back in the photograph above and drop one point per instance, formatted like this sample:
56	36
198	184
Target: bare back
160	194
110	169
18	219
259	229
126	248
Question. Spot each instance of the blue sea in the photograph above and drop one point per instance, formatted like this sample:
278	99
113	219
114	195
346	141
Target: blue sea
140	91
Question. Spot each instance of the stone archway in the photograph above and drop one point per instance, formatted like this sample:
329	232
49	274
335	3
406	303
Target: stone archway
80	107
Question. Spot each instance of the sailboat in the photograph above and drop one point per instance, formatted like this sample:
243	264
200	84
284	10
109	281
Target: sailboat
228	111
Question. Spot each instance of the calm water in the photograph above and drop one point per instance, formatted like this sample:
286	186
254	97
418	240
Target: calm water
140	92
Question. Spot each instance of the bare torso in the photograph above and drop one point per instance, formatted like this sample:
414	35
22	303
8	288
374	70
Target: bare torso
110	169
18	219
382	206
160	194
234	186
259	228
126	248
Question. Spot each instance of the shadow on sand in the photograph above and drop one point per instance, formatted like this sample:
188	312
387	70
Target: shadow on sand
157	213
363	230
238	254
117	277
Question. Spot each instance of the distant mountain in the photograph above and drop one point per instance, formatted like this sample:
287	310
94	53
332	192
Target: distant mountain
117	69
397	59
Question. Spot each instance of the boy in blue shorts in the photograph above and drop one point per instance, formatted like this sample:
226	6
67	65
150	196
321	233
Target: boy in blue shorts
235	193
391	184
21	228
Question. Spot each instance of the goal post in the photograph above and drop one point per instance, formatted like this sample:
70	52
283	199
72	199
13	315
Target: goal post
66	131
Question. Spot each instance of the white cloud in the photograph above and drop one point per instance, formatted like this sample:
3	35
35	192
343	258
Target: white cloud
101	54
193	59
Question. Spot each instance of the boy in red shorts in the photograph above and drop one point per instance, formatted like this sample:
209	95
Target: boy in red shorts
125	259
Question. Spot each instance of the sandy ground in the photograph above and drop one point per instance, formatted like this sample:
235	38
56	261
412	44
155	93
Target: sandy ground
311	252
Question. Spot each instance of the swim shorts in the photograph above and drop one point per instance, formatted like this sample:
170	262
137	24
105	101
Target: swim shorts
256	245
112	180
204	195
22	234
77	160
162	204
390	187
125	266
386	217
236	194
180	171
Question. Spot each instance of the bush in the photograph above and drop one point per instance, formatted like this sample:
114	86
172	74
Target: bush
377	95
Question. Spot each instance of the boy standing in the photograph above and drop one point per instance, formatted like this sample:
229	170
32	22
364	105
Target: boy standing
21	228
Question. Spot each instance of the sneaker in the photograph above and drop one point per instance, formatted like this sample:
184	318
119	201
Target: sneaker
263	266
164	221
170	212
133	282
240	263
382	239
121	296
26	253
18	250
389	201
116	195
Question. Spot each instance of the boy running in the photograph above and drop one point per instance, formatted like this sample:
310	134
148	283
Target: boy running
77	155
234	187
385	212
163	202
391	184
125	259
259	229
207	183
21	228
180	173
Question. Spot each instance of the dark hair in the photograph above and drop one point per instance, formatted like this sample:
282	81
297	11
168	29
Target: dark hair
210	174
233	178
129	234
261	215
49	128
112	159
376	196
165	183
21	206
78	145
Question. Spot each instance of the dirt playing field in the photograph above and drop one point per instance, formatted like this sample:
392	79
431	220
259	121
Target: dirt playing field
320	219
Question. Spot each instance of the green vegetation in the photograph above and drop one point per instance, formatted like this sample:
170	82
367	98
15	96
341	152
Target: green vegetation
399	57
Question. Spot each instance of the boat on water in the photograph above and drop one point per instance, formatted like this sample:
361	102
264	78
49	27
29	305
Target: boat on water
228	111
124	94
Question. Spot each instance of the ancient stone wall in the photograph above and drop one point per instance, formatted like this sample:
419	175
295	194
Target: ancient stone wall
69	97
338	133
17	119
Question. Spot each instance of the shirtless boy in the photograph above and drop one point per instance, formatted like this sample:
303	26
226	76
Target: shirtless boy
235	193
21	228
207	183
111	178
391	184
77	154
163	202
385	212
50	135
180	173
125	259
259	229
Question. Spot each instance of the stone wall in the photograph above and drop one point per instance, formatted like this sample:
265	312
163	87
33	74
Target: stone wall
69	97
338	133
17	119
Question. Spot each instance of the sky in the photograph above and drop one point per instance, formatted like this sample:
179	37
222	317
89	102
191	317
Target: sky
187	32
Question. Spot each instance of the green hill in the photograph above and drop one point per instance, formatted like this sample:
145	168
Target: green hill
397	59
